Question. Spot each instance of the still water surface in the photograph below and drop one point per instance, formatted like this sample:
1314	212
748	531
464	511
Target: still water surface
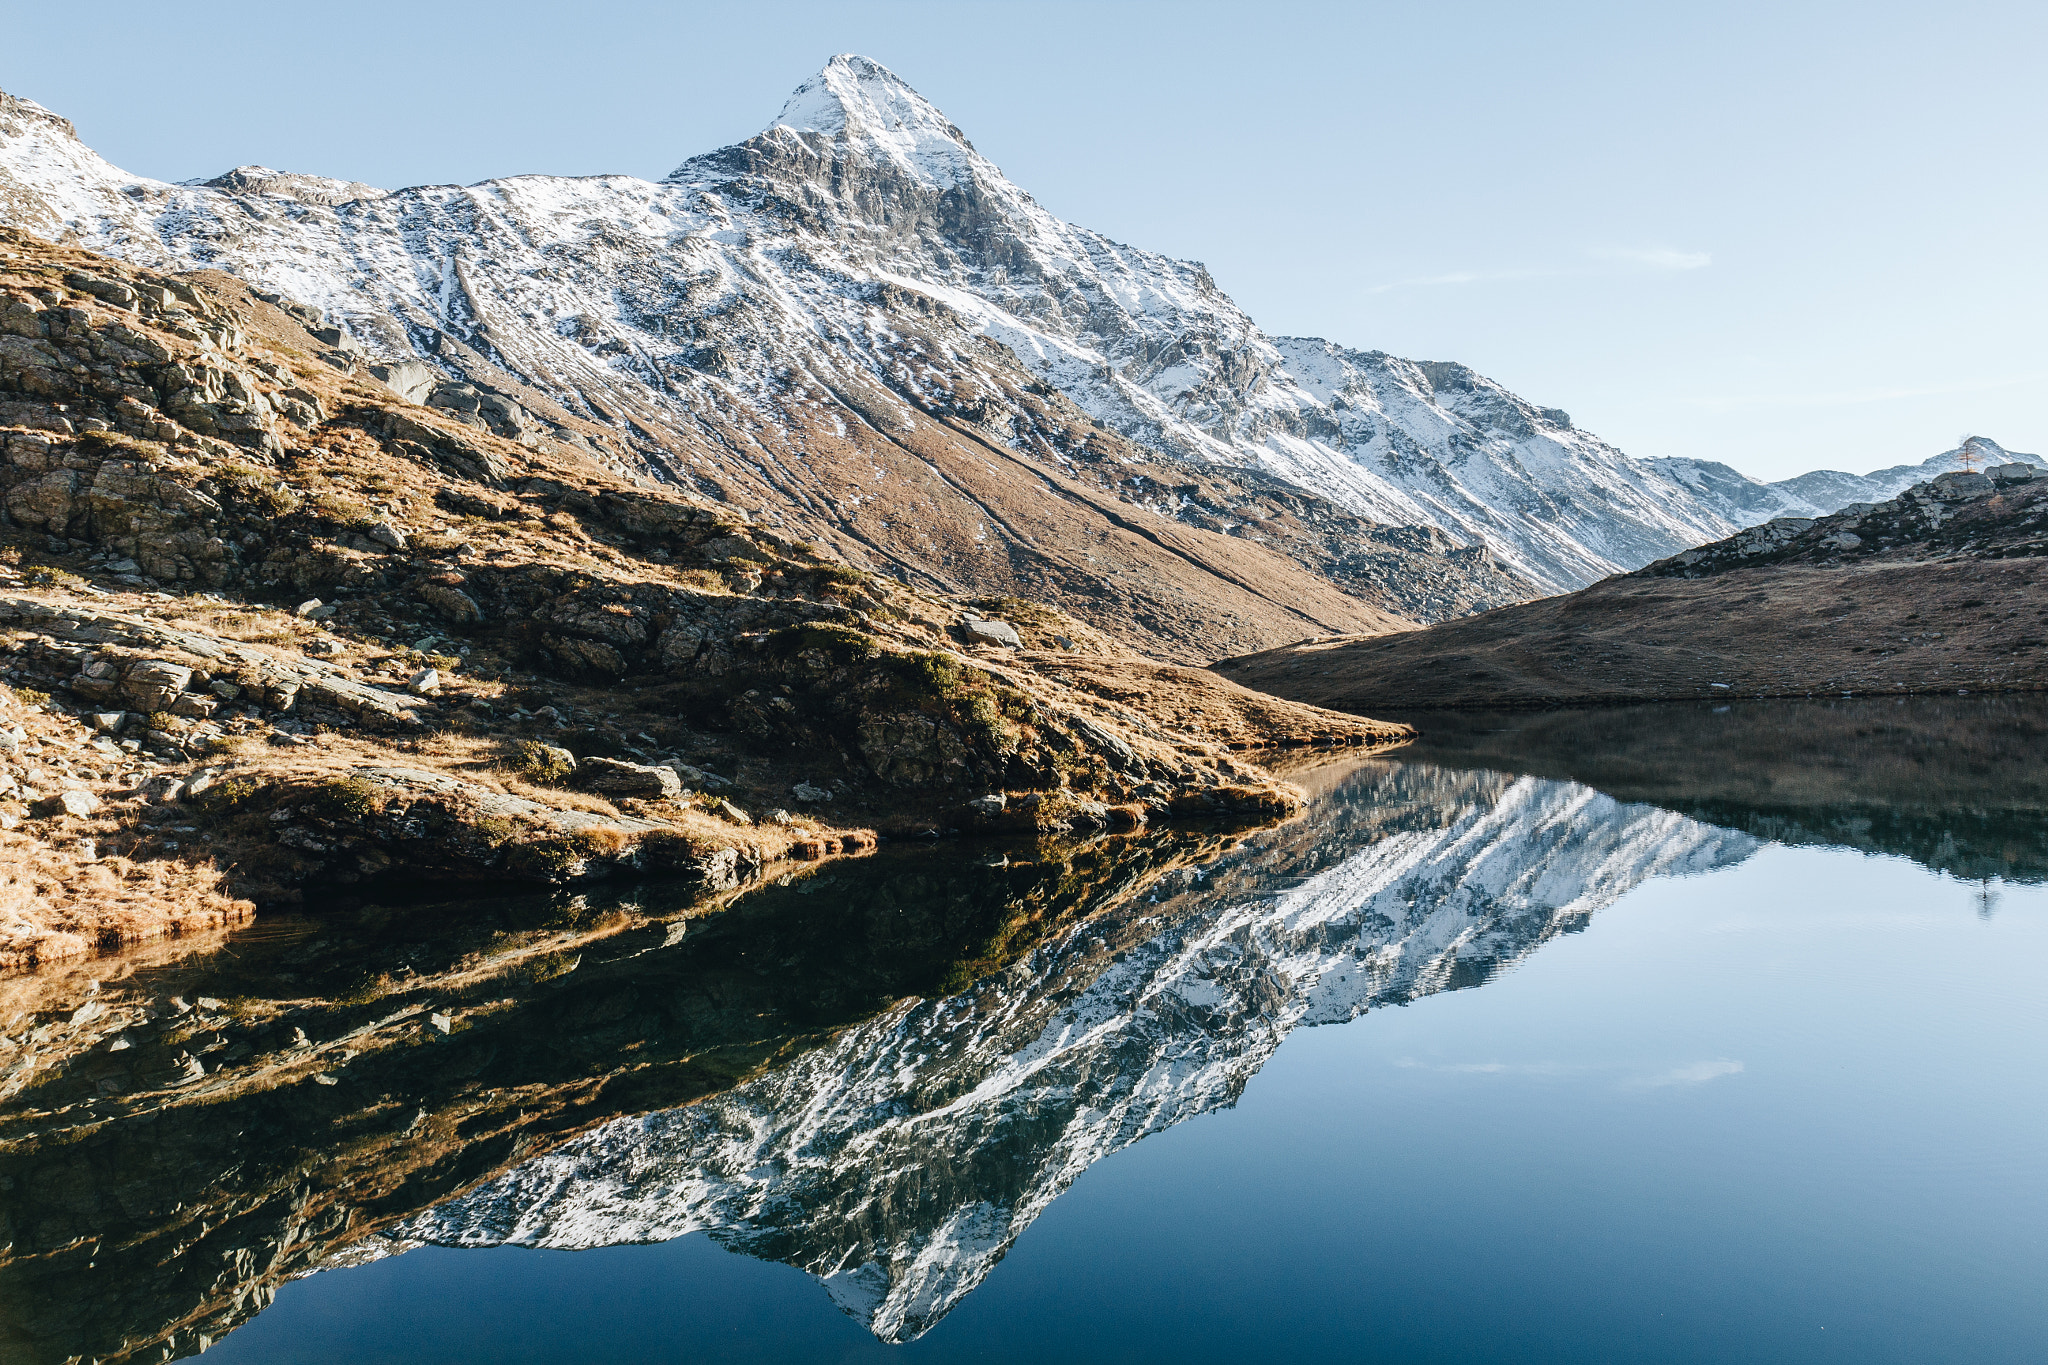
1653	1036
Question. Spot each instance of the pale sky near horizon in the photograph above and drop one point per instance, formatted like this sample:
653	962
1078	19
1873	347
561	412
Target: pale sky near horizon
1787	236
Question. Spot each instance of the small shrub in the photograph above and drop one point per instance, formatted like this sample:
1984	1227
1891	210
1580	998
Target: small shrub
370	987
343	511
228	794
254	486
542	763
839	643
937	673
551	966
843	574
346	800
495	829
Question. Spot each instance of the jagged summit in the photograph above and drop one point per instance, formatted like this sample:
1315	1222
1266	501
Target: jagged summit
15	107
855	95
860	107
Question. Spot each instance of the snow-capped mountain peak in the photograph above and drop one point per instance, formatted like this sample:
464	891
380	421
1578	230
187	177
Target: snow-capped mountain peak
872	107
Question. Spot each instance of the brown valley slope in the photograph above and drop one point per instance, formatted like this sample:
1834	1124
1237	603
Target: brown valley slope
1942	589
266	626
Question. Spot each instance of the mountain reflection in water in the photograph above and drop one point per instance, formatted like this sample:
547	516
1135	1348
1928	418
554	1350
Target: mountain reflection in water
899	1163
883	1071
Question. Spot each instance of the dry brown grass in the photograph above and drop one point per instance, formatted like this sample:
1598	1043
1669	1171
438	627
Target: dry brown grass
1777	631
512	784
58	901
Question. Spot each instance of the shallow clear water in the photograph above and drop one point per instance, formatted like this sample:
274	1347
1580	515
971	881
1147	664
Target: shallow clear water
1471	1065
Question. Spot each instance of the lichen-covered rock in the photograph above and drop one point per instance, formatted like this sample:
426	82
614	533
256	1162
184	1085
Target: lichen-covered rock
979	631
616	777
152	685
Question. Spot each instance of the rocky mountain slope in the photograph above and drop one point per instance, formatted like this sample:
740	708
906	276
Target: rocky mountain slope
1940	589
748	330
856	320
354	642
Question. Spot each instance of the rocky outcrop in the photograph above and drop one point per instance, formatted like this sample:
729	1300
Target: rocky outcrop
149	667
2000	513
365	629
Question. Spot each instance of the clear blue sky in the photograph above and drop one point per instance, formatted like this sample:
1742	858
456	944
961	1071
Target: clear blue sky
1784	236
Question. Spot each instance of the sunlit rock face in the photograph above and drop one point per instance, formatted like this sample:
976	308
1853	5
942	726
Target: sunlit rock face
900	1162
854	271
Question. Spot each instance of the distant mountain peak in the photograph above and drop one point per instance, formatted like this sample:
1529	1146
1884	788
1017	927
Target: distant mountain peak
307	189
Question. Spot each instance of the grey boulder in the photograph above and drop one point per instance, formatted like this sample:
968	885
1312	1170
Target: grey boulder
616	777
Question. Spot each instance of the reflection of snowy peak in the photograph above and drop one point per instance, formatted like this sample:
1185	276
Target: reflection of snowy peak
899	1163
700	323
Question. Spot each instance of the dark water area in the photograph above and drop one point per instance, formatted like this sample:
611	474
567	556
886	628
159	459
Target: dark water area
1657	1034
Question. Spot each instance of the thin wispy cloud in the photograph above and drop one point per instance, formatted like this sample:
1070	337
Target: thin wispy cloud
1493	1068
1610	261
1656	257
1466	277
1848	398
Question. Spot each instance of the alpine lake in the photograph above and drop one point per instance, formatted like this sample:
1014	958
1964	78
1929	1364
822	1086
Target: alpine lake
1666	1034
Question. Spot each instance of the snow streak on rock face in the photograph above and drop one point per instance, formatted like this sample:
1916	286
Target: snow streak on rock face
801	254
898	1164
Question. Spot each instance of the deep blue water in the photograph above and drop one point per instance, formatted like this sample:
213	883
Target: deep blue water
1792	1108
